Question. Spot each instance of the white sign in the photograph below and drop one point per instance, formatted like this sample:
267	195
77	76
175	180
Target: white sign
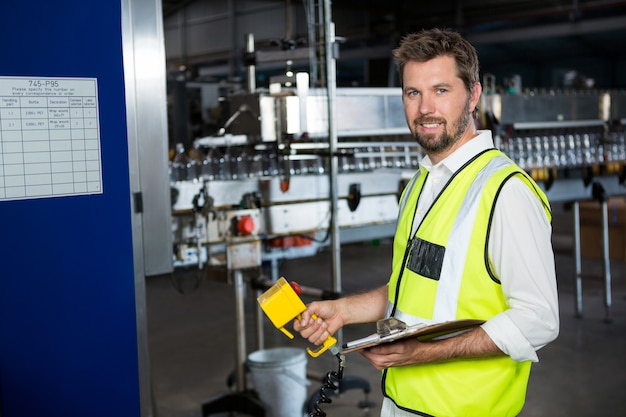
49	137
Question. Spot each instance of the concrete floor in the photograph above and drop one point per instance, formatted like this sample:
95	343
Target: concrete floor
192	336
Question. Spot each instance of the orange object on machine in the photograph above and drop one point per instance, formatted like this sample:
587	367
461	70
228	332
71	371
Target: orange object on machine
282	304
290	241
245	225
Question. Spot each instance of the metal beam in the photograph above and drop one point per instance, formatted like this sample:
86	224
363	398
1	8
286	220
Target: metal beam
548	31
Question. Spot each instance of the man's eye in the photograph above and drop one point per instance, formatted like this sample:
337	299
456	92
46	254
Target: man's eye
441	90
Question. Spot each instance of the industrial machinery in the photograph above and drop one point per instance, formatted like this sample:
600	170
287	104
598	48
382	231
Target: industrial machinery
573	143
273	163
269	172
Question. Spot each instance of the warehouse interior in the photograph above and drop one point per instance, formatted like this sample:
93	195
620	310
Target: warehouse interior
266	181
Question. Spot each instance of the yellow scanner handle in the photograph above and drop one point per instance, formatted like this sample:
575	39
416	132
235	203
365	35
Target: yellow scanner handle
328	343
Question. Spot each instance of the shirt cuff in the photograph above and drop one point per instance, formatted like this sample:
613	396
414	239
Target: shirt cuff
509	339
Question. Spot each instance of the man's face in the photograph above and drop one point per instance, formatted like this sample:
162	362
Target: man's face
437	106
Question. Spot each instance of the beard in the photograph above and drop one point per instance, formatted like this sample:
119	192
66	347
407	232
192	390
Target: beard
433	143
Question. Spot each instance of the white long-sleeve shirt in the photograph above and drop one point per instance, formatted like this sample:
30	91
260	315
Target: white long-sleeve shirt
520	249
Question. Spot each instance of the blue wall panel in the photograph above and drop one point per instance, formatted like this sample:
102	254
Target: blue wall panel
68	343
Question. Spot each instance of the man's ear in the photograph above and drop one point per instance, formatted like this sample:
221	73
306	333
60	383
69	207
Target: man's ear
477	89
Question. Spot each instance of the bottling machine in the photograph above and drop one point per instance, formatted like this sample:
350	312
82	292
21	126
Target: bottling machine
267	175
573	143
274	160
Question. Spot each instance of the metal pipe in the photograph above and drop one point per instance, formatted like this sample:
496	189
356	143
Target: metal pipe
251	68
288	31
578	282
331	86
311	30
231	13
263	204
606	262
321	199
259	318
240	331
263	285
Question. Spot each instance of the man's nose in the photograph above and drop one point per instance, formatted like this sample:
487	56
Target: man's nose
427	105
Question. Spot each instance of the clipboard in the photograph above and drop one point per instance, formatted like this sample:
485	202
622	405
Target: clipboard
392	329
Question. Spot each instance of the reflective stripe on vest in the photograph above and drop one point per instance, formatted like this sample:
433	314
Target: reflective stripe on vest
458	242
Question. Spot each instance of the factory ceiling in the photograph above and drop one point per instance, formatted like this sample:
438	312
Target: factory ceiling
530	30
463	15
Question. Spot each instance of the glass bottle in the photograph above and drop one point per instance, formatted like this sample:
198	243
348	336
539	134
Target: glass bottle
194	168
208	173
180	164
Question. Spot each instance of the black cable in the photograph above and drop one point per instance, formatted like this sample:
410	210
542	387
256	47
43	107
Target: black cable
331	384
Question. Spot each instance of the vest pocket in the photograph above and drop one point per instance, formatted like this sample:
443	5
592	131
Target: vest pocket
426	258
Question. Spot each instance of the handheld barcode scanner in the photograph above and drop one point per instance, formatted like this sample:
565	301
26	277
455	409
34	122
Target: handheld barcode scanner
282	304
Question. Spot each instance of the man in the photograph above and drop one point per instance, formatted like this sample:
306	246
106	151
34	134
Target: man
473	240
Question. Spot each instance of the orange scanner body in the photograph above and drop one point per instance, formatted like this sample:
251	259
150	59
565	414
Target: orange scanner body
281	304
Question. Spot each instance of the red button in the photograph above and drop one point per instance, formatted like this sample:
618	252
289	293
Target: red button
296	287
245	225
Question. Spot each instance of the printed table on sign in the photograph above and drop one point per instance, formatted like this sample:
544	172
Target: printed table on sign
49	138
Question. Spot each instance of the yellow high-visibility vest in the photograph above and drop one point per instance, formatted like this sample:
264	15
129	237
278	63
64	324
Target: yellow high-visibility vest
443	273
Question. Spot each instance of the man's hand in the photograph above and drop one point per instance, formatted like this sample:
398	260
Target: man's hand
320	320
474	343
399	353
332	315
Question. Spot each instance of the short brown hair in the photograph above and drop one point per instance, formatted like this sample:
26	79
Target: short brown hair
428	44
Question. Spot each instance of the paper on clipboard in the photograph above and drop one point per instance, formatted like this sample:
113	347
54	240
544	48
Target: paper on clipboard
423	332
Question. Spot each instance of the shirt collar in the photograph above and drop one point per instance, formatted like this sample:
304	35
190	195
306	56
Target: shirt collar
458	158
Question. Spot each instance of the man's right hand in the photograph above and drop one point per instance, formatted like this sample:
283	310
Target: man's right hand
324	318
320	320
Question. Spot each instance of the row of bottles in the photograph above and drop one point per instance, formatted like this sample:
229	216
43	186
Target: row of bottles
236	163
530	150
241	162
565	149
373	157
